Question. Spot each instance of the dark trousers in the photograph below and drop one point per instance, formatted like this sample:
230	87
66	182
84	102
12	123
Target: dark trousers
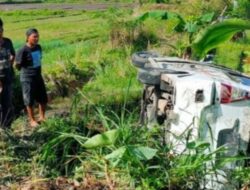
6	107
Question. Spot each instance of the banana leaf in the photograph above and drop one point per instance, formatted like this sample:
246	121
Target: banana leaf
105	139
217	34
163	15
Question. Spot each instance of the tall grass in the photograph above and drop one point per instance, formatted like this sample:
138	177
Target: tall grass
77	48
116	150
113	73
109	146
72	53
232	60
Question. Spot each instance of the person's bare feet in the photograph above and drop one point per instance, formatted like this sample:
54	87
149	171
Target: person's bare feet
33	124
41	120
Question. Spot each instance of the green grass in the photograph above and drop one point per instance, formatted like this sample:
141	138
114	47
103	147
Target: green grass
114	75
77	39
78	47
82	40
232	59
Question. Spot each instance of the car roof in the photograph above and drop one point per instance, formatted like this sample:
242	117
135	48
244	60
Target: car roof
175	65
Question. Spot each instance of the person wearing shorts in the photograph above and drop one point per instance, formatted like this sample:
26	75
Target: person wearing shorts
28	61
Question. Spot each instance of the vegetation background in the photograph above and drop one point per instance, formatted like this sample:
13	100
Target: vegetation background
94	92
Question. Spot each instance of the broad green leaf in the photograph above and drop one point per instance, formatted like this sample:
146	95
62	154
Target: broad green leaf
80	139
207	17
202	145
142	153
117	154
191	145
217	34
163	15
104	139
219	150
198	145
191	27
154	15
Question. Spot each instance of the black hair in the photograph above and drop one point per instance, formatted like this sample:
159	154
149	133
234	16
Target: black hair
31	31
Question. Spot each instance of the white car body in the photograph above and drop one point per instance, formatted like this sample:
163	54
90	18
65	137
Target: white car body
212	101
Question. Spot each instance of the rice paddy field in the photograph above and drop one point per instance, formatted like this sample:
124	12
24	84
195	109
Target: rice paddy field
82	40
76	39
93	88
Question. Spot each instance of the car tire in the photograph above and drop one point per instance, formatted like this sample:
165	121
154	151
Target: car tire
140	58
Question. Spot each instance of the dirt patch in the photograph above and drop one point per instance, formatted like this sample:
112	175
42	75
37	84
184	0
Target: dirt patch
60	183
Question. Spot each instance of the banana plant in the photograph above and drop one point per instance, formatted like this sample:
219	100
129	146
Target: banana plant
201	40
217	34
190	25
162	15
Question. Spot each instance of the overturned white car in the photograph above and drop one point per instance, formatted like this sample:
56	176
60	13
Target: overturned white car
211	100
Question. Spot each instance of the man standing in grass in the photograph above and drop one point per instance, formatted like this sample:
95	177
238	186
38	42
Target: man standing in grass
28	60
7	56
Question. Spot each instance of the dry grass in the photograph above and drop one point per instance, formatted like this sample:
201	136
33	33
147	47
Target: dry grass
60	183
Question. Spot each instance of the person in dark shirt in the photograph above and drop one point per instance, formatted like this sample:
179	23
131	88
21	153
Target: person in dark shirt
28	61
7	56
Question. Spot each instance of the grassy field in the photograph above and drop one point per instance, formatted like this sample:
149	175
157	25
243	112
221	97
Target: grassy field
88	46
75	41
87	58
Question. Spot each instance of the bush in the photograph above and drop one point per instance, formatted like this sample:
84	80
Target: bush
241	9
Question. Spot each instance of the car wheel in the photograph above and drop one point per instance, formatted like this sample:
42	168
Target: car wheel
140	58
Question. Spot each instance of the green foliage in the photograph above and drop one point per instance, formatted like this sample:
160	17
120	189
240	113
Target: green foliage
217	34
131	155
191	25
138	152
153	1
104	139
95	55
242	175
34	12
231	60
57	145
163	15
194	165
114	74
241	9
